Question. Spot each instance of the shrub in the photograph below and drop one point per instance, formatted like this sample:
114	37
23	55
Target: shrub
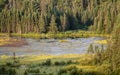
59	63
47	63
61	71
74	71
32	71
3	70
9	64
116	72
11	71
7	71
69	62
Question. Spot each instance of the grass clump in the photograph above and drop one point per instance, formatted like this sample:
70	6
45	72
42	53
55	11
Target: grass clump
32	72
47	63
100	42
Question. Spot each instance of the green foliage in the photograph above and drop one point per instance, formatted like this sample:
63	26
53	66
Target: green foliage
32	71
25	16
46	63
53	26
90	49
42	25
116	72
75	71
7	71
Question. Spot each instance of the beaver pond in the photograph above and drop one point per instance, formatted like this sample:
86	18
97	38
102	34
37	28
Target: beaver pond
52	46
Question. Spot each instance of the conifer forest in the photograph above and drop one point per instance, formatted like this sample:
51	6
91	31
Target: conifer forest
59	37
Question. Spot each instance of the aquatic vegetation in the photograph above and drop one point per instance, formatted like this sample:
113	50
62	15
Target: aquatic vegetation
100	42
12	42
63	41
4	41
4	56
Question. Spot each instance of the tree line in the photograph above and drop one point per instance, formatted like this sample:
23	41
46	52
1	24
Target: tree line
43	16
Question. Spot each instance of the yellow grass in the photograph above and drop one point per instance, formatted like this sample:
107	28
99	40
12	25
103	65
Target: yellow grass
81	67
63	41
6	40
44	57
100	42
4	56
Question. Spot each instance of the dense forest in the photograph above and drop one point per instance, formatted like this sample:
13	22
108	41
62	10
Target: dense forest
41	16
52	16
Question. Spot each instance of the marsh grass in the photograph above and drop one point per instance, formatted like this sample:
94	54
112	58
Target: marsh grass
100	42
59	35
70	64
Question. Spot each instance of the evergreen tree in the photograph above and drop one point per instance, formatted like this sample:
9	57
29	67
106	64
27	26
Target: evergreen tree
24	16
64	22
53	26
113	50
90	49
42	25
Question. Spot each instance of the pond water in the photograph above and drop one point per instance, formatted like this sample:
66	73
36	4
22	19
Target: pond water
51	46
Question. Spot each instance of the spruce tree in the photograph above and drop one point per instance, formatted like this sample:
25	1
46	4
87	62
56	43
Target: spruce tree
53	26
42	25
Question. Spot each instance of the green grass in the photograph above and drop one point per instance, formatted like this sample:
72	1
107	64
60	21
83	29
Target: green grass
81	62
59	35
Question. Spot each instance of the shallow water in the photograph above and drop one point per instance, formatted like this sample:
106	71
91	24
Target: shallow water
51	46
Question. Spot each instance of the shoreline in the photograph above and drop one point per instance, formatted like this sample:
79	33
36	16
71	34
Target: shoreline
59	35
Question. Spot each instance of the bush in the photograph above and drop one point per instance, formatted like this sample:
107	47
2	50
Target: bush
32	71
47	63
59	63
74	72
69	62
9	64
62	63
3	70
11	71
61	71
7	71
116	72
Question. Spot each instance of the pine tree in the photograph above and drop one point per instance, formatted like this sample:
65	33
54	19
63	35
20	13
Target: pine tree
53	26
113	51
64	22
42	25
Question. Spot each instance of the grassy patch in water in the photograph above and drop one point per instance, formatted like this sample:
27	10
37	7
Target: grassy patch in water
12	42
100	42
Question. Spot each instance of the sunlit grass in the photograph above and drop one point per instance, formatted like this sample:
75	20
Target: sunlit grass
44	57
63	41
4	40
100	42
59	35
4	56
33	58
81	67
35	61
7	40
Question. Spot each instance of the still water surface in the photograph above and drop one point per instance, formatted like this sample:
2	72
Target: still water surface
52	46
